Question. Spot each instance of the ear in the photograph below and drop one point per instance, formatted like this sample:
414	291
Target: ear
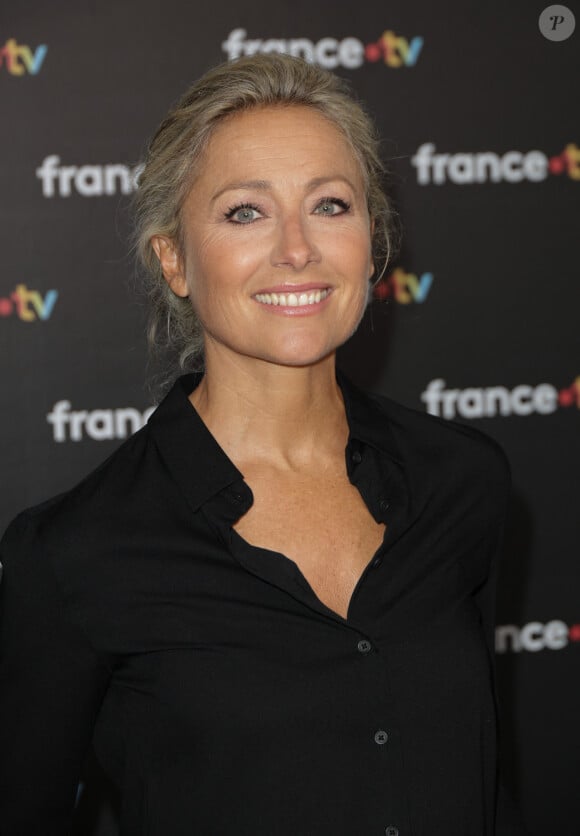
171	264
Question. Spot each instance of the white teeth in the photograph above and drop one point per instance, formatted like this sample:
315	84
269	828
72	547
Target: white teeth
292	300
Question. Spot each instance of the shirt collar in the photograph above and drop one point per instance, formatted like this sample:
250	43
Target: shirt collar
192	455
368	420
202	469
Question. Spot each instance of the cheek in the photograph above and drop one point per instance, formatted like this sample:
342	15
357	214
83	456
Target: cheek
359	306
353	240
359	262
221	262
355	254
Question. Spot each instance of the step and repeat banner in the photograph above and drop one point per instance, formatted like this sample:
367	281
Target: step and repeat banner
476	321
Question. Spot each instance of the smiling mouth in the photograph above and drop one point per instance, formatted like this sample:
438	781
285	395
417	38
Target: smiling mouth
293	300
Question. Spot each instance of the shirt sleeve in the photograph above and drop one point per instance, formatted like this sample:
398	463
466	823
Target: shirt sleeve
508	820
51	686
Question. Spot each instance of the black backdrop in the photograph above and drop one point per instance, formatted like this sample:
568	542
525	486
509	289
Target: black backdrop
477	321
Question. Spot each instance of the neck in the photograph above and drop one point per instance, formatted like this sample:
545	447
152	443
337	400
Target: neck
285	416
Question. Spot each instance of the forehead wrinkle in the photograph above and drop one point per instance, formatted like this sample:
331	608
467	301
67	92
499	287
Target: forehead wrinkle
330	178
248	133
265	185
260	185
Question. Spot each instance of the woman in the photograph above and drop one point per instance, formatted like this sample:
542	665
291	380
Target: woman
271	608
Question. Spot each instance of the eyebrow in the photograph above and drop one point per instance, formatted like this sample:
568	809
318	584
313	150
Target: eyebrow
264	185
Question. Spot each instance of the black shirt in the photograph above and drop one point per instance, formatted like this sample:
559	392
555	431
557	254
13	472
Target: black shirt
221	695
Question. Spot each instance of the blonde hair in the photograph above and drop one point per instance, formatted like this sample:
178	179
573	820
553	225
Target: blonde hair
175	151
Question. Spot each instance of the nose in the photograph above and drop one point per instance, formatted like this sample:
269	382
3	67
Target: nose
294	246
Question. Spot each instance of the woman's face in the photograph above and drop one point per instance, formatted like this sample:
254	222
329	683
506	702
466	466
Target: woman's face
276	239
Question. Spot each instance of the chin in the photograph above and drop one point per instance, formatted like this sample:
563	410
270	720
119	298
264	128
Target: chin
301	353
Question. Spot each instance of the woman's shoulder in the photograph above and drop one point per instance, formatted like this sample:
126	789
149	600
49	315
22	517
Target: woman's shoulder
81	542
101	495
150	479
428	441
434	429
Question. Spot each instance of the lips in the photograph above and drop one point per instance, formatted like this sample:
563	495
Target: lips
293	299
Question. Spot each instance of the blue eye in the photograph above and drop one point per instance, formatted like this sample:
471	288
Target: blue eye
332	206
244	213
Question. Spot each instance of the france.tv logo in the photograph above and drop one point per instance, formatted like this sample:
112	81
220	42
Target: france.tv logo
493	401
20	59
405	288
390	49
28	305
465	168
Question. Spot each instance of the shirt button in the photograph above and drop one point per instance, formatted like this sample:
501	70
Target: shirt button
391	831
381	737
356	457
376	562
364	646
384	504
